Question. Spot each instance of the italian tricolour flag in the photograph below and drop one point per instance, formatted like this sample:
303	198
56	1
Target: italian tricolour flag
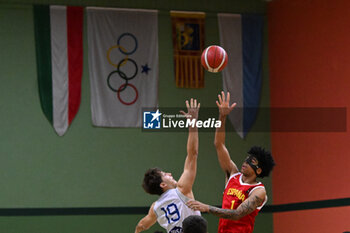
59	52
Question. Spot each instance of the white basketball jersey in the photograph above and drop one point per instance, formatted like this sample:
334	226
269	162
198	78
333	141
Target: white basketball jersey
171	210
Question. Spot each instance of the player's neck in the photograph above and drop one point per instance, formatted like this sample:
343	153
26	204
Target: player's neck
249	179
167	188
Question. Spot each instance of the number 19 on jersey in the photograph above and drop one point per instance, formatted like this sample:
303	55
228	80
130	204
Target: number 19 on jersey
172	213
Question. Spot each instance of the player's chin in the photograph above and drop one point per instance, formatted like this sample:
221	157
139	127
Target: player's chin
244	171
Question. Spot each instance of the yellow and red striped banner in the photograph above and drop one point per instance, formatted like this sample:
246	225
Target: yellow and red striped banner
188	44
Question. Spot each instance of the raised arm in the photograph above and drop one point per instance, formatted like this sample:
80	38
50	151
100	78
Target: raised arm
255	200
147	221
188	176
227	165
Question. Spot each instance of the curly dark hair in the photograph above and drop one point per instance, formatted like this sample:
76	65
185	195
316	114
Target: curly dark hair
194	224
265	160
151	181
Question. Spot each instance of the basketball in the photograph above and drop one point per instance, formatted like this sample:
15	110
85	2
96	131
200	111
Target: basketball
214	58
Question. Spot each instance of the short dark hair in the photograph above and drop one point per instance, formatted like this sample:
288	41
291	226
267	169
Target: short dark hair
194	224
151	181
265	160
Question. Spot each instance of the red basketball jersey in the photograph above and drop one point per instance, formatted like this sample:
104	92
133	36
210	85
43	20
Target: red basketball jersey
236	191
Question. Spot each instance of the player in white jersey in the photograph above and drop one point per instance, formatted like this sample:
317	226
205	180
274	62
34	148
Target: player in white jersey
170	209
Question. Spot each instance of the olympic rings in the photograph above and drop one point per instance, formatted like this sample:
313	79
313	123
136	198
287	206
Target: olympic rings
109	52
119	65
121	75
124	86
132	36
123	62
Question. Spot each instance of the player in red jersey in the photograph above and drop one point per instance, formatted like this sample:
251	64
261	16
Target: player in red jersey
244	196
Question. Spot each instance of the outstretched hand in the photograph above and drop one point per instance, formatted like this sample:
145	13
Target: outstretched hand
192	109
196	205
224	104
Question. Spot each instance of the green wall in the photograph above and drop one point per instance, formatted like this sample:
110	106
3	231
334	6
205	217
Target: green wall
100	167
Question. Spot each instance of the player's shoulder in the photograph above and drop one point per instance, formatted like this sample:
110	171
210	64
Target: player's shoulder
153	204
235	175
258	190
152	209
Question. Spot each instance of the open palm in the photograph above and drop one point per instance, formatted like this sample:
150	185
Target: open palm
224	104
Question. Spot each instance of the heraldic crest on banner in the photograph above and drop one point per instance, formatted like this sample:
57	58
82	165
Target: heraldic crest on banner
188	44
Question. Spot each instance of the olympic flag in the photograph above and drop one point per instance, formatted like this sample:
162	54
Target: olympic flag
241	37
123	64
59	52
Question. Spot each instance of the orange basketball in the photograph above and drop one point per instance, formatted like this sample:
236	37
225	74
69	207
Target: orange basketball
214	58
